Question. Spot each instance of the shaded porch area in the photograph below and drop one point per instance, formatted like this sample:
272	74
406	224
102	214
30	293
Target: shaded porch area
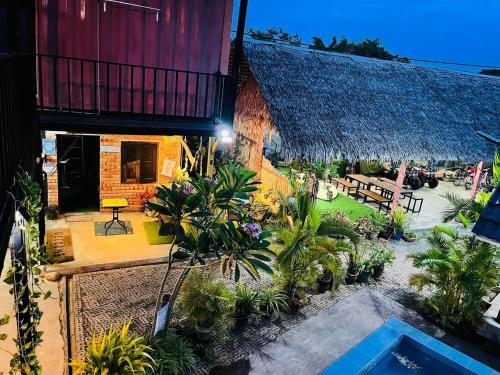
92	252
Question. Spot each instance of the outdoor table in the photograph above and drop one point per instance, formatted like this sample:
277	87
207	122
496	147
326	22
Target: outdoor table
388	189
115	204
360	179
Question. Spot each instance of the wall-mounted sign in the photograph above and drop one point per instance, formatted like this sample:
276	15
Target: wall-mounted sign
49	168
49	147
168	167
161	319
112	149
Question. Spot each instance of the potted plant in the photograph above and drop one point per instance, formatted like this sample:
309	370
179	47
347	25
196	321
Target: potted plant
365	271
400	223
364	226
410	236
271	300
52	212
378	221
339	278
324	281
205	302
380	256
352	271
245	305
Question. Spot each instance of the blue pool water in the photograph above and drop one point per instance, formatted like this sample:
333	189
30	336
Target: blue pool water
410	357
398	348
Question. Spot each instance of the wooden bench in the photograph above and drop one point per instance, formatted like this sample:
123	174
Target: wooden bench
380	200
345	184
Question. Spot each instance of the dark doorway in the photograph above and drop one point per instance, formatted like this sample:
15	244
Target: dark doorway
78	172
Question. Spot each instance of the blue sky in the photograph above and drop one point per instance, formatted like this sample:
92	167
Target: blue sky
466	31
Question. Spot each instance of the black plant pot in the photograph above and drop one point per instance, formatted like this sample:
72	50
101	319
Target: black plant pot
241	322
324	285
351	278
204	333
264	312
378	271
364	276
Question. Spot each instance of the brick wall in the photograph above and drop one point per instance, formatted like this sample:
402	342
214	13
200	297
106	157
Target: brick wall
110	168
110	177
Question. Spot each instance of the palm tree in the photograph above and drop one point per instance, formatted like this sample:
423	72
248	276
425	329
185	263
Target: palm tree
458	272
467	210
308	247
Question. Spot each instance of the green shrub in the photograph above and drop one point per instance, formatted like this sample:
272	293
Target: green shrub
401	220
204	301
378	220
458	272
272	300
381	255
115	352
245	300
172	354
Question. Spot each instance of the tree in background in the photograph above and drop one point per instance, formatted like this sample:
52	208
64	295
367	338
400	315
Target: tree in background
490	72
367	47
273	34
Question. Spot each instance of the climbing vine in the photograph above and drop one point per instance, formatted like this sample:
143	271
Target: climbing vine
26	281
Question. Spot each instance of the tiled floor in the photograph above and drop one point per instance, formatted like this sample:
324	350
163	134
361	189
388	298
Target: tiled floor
91	250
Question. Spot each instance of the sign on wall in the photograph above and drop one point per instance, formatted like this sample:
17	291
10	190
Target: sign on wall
110	149
49	147
168	167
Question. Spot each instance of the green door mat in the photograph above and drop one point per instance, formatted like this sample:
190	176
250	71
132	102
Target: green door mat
152	229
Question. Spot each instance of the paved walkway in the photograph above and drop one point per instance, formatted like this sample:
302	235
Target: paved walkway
435	204
321	340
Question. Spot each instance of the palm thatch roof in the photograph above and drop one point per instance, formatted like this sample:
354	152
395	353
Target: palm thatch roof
329	106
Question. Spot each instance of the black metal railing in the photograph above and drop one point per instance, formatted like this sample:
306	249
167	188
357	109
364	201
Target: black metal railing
79	85
17	131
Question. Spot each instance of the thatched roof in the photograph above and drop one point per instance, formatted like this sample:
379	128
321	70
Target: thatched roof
327	106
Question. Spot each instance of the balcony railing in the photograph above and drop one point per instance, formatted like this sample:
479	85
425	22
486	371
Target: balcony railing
76	85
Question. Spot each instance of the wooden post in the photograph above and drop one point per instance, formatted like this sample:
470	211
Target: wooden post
399	185
477	178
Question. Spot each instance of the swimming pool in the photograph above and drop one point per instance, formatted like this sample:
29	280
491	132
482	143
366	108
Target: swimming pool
398	348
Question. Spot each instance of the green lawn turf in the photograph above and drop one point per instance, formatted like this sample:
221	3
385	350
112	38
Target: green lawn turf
152	228
352	209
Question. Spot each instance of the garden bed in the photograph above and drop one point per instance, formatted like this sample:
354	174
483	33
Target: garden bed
112	297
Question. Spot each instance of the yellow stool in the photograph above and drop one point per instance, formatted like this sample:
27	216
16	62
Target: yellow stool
115	204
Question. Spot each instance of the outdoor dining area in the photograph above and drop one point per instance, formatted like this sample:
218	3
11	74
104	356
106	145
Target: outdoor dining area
377	190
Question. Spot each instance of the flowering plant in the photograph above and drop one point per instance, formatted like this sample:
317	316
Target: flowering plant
252	229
